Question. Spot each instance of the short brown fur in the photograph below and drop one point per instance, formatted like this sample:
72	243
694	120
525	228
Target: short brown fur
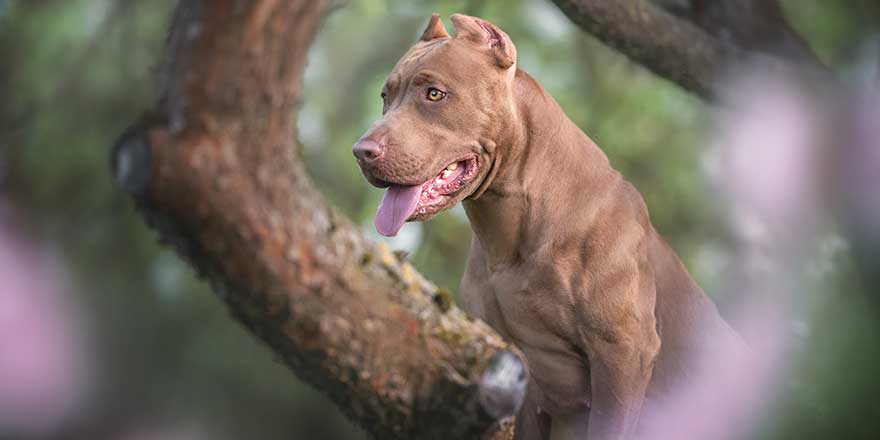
564	261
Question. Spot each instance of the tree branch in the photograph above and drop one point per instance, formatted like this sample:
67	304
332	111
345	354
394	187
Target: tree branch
214	168
668	46
754	25
693	46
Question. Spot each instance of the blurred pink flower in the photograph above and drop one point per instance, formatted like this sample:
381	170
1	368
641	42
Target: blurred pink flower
40	347
766	150
764	163
859	168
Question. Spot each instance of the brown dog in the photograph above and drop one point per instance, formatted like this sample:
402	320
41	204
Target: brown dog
564	261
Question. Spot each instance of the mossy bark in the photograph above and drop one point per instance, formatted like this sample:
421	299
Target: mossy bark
216	170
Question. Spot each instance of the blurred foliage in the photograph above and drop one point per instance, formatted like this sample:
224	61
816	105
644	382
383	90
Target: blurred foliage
74	73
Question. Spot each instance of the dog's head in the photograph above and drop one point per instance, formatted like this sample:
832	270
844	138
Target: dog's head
446	105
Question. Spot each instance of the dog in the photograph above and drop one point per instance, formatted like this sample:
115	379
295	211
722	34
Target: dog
564	261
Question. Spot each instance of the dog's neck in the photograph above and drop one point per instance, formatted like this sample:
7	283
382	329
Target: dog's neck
547	168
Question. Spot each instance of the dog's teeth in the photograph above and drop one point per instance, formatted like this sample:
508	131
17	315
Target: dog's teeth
446	173
452	167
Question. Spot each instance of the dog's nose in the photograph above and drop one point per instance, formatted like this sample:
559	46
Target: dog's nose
366	150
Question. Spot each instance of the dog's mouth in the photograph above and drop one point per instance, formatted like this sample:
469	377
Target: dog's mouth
419	202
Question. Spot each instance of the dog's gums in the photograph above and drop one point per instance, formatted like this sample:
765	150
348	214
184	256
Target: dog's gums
418	202
445	184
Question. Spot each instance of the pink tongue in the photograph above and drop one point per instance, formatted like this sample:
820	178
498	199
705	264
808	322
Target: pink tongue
397	205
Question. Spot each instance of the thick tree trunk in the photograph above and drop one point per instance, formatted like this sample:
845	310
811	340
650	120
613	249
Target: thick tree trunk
215	169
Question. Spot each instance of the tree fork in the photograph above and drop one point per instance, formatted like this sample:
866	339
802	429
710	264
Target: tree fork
214	168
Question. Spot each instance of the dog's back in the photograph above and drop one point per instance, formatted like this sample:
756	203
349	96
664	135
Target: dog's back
690	327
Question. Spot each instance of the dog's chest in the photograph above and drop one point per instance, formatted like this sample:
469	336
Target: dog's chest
529	307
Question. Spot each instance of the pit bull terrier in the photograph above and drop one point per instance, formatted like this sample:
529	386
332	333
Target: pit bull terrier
564	261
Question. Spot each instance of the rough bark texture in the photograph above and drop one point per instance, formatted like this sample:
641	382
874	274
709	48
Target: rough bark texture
693	42
215	170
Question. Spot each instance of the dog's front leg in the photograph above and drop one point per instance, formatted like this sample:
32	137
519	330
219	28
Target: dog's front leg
620	370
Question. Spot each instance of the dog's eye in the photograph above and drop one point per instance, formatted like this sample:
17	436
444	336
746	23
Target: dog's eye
435	94
383	95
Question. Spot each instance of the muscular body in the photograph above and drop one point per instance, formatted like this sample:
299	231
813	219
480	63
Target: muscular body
564	261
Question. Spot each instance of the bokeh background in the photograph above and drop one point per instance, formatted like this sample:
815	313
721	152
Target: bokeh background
105	334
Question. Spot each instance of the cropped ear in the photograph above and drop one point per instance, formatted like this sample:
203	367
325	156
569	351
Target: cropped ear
435	29
488	36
